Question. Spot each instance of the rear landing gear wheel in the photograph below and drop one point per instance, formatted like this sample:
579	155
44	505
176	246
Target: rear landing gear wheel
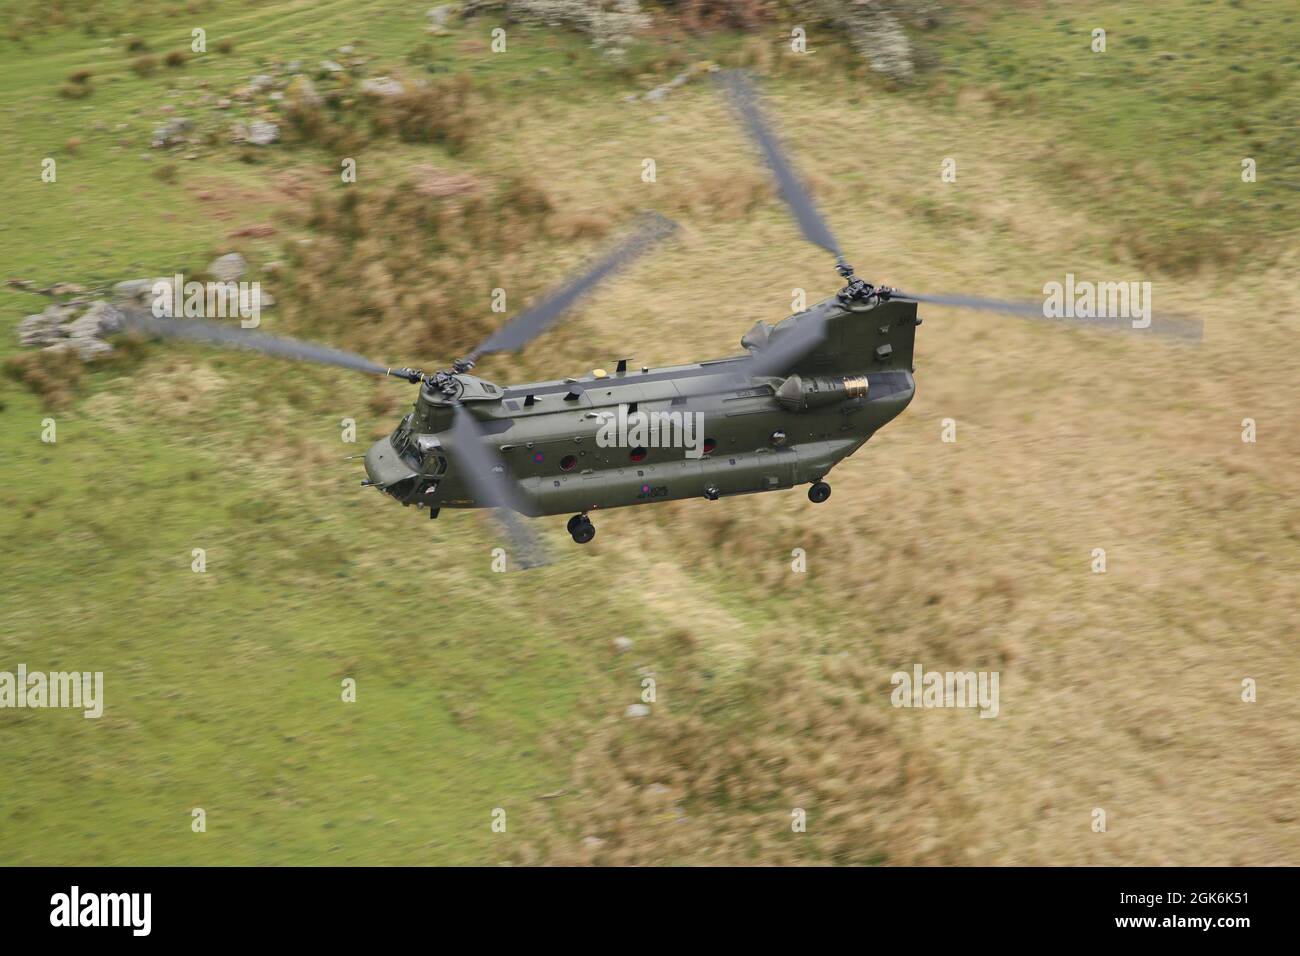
819	492
581	528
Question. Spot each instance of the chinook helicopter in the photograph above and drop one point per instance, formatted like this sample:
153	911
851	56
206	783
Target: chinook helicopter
807	393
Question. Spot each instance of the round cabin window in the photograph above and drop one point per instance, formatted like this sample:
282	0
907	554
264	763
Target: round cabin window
567	463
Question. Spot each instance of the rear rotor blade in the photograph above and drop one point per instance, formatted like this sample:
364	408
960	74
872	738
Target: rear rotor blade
745	100
226	336
532	322
1170	325
487	478
791	345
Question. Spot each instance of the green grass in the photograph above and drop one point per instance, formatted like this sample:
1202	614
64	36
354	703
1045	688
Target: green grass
1153	129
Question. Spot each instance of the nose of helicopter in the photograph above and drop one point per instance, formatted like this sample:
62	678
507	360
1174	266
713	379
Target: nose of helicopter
384	467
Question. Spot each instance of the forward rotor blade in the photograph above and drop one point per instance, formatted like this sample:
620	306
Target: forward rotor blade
487	478
226	336
532	322
745	100
1170	325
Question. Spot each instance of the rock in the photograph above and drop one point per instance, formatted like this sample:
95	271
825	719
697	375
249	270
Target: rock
171	133
637	710
592	842
86	347
99	320
64	288
262	133
256	133
224	103
260	83
276	96
43	329
329	66
229	268
302	92
382	86
347	49
622	644
132	290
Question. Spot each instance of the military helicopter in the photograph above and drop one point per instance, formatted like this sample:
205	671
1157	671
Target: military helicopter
807	393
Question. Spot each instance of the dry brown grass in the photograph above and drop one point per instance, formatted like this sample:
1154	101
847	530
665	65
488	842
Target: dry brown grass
389	264
443	112
1120	691
54	377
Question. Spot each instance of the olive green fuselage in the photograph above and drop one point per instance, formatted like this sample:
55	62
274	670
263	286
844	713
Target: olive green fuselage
558	442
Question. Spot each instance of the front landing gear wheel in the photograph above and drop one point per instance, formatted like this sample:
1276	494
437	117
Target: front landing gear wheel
581	528
819	492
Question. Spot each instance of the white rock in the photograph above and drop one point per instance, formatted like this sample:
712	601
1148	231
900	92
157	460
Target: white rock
43	328
229	268
132	289
100	319
85	346
382	86
622	644
262	133
637	710
302	92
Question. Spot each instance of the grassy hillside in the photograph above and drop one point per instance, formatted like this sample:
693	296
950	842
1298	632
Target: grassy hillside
477	690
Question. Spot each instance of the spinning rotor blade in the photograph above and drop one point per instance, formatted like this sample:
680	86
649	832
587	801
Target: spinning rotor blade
1171	325
789	347
214	333
488	478
745	100
532	322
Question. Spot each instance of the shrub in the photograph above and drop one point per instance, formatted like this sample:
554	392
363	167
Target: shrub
53	376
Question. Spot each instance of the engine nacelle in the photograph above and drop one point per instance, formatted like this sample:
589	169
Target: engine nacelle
799	393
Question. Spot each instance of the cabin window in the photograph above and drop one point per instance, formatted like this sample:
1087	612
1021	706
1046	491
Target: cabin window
637	454
709	445
567	462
